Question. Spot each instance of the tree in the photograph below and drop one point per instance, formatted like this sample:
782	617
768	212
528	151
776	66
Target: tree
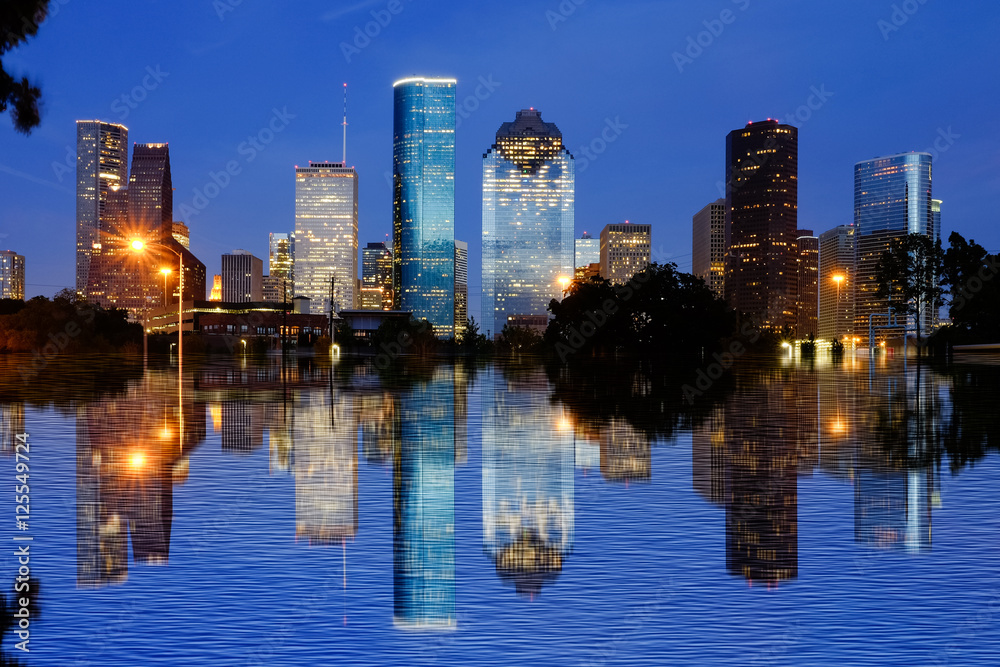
519	340
19	20
470	339
911	272
971	274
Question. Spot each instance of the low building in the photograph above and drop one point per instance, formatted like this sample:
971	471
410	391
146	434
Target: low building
252	319
364	323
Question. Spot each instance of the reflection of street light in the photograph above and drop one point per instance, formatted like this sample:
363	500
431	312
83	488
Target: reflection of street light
137	460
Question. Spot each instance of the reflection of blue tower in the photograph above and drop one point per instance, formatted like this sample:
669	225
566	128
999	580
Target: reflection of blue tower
528	468
424	507
892	508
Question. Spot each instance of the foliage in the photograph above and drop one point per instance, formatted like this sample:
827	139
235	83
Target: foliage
470	340
518	340
910	272
66	325
397	337
19	20
660	314
971	274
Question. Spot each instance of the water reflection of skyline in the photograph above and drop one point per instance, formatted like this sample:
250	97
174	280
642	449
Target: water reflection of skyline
882	434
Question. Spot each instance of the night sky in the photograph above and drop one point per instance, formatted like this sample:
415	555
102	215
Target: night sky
881	77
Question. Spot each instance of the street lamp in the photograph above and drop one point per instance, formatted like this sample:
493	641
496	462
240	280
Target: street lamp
165	272
140	246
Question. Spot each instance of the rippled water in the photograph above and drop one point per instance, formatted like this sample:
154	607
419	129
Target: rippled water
794	514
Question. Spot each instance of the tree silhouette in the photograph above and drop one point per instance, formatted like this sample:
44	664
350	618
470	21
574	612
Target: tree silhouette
19	20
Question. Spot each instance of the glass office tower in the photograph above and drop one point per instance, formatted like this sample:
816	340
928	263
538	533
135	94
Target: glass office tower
423	215
529	186
892	198
101	162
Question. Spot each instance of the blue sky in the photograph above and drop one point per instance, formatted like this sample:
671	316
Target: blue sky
881	78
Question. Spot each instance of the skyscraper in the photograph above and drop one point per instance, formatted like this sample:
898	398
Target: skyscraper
242	277
762	222
11	275
101	161
836	282
326	235
461	286
625	251
806	271
281	250
892	198
376	273
528	215
587	251
150	192
423	218
708	245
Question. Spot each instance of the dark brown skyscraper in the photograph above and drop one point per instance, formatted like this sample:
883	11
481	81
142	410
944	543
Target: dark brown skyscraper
150	190
761	222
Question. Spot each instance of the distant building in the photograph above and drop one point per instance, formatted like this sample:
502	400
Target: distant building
281	253
625	251
892	198
181	233
529	190
423	224
586	251
216	288
836	282
762	222
326	235
274	289
101	162
11	275
461	286
242	277
807	297
376	276
708	251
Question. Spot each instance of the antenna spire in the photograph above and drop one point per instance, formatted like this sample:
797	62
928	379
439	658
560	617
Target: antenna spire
345	124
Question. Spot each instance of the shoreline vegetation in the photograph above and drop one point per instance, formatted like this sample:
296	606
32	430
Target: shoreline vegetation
663	319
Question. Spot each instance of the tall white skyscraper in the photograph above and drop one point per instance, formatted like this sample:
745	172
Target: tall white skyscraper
529	185
101	162
326	235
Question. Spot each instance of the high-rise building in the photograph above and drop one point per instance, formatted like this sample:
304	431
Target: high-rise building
326	235
11	275
762	222
892	198
625	251
181	233
461	286
529	187
273	290
423	220
216	294
119	277
101	161
281	250
376	275
586	251
242	277
807	298
150	192
836	282
708	245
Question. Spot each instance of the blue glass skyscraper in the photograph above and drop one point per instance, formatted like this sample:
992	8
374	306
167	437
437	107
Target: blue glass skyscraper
892	198
423	216
529	185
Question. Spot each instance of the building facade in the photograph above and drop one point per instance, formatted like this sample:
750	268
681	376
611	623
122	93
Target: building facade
586	251
625	251
461	286
529	187
807	274
281	251
101	162
423	220
892	198
762	222
376	275
11	275
708	245
242	277
837	250
326	235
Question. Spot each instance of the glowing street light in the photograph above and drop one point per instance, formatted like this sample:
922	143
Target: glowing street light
838	278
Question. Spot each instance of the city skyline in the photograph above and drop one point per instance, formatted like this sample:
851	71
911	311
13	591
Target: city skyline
847	121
